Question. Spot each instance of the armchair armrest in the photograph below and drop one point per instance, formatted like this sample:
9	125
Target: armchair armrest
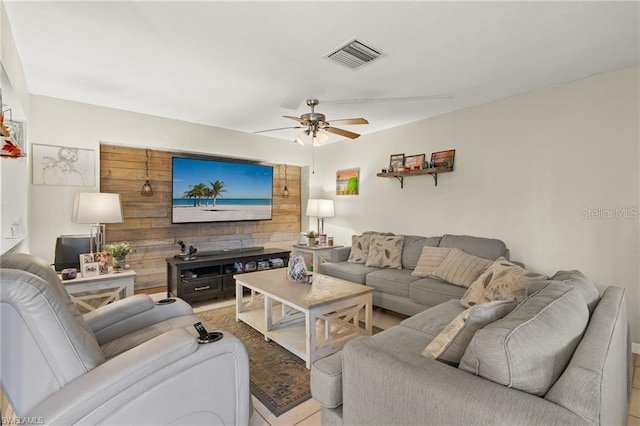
131	314
169	379
340	254
390	386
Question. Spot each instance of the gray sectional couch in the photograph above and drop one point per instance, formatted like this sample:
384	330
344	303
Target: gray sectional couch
399	291
561	356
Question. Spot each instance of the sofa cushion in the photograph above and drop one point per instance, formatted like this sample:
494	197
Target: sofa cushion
326	380
385	251
430	259
359	248
412	249
326	373
501	280
487	248
433	320
530	347
581	282
354	272
461	268
449	345
391	281
432	291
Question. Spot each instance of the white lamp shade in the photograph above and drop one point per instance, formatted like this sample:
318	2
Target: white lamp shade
320	208
97	207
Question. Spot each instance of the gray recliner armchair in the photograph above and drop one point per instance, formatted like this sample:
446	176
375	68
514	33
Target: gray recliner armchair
130	362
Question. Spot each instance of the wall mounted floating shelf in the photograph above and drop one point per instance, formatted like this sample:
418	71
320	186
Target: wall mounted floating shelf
401	175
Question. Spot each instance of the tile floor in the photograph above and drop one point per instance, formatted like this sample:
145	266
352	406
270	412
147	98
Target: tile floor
308	413
634	405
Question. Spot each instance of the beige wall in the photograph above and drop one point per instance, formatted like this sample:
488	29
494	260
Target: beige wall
525	169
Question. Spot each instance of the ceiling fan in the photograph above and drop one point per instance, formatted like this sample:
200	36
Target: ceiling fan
317	126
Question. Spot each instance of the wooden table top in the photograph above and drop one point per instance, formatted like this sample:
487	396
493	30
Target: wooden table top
324	289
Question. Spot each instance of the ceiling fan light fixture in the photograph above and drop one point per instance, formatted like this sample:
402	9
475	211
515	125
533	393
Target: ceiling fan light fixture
301	137
320	138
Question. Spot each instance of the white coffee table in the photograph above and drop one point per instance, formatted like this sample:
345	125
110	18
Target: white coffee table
313	320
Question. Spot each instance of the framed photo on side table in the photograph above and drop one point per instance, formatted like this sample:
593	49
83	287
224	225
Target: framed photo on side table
414	162
443	159
396	161
90	269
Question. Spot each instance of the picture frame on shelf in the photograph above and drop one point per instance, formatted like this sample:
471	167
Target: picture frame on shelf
414	162
443	159
396	161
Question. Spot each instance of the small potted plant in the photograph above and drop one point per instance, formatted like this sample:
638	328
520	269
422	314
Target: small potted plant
118	252
311	236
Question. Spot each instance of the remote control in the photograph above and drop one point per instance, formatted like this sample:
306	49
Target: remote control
204	334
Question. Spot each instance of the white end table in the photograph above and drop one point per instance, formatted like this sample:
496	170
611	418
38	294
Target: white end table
90	293
316	251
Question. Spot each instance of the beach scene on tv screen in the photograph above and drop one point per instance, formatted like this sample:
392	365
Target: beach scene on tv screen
216	191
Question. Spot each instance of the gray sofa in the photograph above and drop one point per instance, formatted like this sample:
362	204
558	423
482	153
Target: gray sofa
398	290
561	356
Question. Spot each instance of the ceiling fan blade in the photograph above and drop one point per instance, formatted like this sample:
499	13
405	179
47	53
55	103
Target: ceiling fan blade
298	119
279	128
350	121
402	98
342	132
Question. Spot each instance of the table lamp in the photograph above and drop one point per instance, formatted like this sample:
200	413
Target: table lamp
97	208
320	208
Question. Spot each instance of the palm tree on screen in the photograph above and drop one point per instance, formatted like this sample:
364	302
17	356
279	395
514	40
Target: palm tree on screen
196	191
217	188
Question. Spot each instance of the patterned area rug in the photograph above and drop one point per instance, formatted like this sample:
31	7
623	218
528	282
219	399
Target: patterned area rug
279	379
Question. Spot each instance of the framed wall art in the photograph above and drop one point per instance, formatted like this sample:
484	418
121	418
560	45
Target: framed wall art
348	181
443	159
63	165
396	162
12	139
414	162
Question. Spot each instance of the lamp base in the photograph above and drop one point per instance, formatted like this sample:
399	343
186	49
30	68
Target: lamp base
97	237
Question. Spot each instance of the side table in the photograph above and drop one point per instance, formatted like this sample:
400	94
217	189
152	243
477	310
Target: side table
90	293
316	251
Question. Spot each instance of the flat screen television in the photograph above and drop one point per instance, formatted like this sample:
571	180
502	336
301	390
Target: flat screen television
214	190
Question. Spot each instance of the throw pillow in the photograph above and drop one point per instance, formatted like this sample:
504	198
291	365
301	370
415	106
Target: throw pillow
450	344
359	248
461	268
429	260
530	347
502	280
385	252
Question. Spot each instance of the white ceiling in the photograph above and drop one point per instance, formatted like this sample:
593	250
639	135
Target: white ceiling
242	65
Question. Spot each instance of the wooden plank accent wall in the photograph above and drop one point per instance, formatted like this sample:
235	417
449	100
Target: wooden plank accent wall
147	220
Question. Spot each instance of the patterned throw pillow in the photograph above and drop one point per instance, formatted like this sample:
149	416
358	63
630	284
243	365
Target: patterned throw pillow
450	344
502	280
385	252
461	268
429	260
359	248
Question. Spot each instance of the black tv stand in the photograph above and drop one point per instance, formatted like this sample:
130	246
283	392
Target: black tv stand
210	274
231	250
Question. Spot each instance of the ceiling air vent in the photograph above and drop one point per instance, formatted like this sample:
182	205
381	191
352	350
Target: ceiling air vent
354	54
